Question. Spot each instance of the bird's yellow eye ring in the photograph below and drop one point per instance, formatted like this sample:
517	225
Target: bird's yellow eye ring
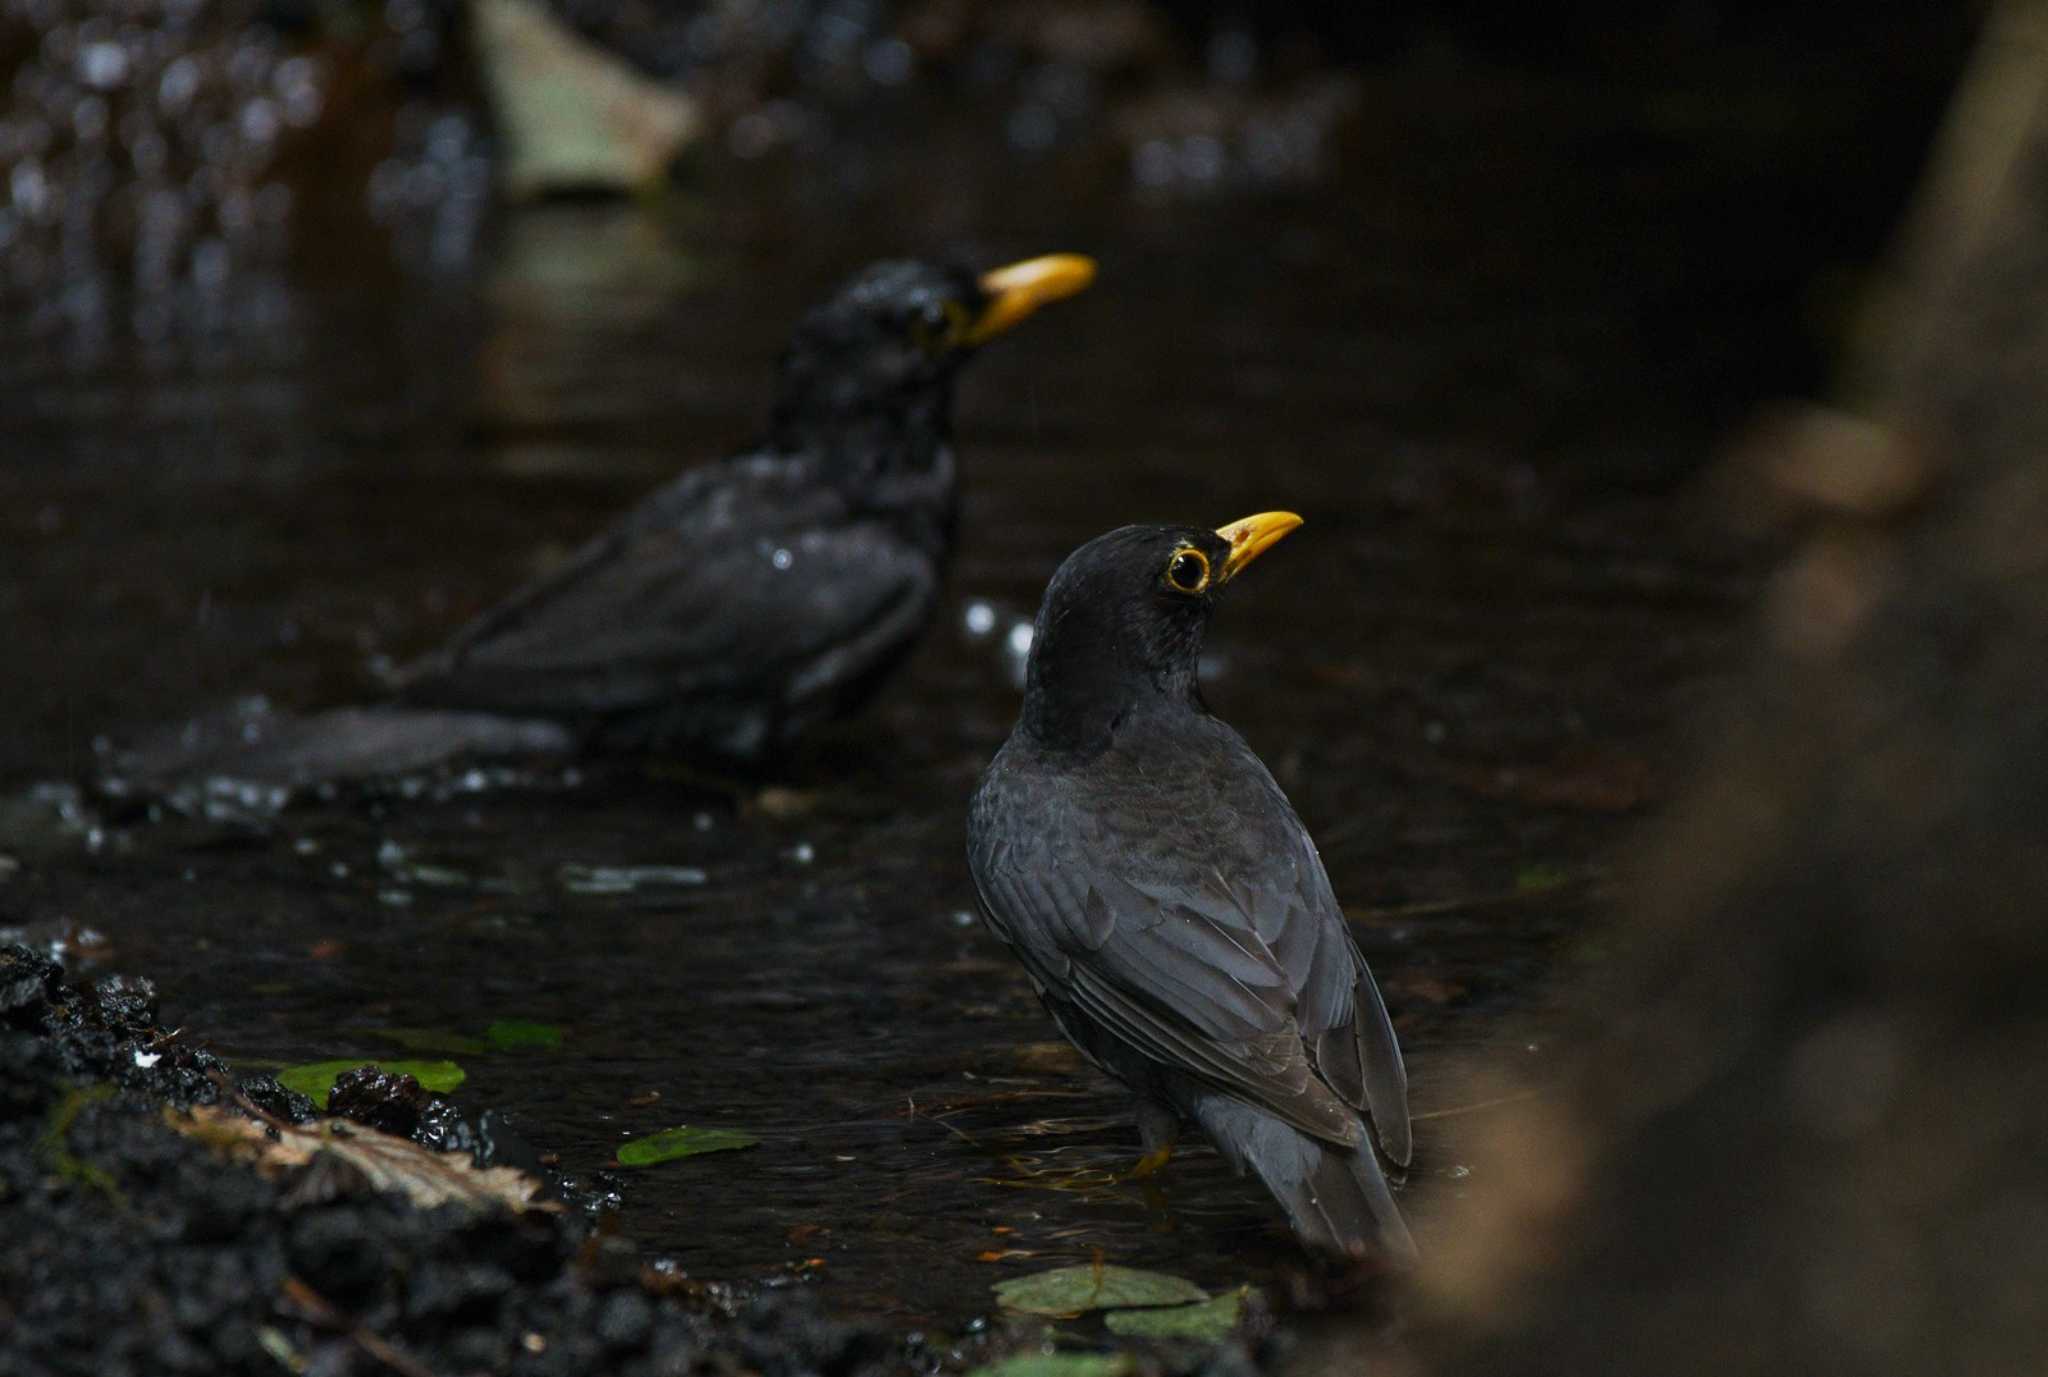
1188	570
940	326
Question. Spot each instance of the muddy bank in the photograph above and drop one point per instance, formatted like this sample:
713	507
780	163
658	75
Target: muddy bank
137	1248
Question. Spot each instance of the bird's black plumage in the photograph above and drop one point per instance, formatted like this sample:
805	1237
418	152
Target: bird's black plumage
1168	904
753	598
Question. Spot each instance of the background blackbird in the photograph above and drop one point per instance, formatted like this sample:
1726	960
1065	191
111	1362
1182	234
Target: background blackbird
753	598
1169	905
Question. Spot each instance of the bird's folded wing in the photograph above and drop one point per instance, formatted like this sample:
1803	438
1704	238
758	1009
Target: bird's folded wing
1177	977
1340	1008
661	609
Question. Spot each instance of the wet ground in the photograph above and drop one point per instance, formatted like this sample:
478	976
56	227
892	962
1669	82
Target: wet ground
1485	356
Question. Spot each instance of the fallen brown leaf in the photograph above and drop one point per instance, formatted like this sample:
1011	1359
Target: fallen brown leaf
388	1163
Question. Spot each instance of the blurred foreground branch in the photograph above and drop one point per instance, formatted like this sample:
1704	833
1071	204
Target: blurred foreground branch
1807	1137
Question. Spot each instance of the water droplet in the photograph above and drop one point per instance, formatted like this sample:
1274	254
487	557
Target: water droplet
1153	163
625	879
103	65
260	122
752	135
1201	157
210	265
89	119
1233	56
30	189
177	86
888	62
782	559
1033	127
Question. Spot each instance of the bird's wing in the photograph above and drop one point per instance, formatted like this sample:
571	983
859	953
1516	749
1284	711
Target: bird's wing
1341	1009
1177	970
726	579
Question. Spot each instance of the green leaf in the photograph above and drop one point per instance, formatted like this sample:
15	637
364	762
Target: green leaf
1540	879
1077	1290
682	1141
316	1078
1211	1321
433	1040
508	1034
1058	1365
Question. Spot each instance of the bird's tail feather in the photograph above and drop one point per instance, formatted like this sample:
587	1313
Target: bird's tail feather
1336	1198
255	743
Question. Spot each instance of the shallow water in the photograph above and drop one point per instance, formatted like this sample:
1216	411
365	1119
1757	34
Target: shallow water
1484	359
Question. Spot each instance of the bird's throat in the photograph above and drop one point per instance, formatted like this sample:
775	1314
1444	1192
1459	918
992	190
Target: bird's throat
897	435
1079	696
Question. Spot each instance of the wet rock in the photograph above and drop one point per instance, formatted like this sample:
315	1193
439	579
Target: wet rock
127	1005
443	1127
574	117
27	982
336	1253
370	1095
27	1066
462	1291
625	1320
105	1032
267	1095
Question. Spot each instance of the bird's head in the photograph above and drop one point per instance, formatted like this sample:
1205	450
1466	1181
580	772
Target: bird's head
889	342
1123	621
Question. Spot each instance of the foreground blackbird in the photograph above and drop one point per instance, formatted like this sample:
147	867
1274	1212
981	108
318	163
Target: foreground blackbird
751	599
1169	905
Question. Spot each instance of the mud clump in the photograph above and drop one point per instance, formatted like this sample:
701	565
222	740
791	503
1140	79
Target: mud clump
135	1249
387	1102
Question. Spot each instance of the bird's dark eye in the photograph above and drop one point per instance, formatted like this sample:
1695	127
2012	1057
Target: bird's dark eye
938	325
1188	570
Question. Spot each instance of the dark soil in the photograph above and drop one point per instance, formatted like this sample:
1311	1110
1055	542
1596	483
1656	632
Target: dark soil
135	1249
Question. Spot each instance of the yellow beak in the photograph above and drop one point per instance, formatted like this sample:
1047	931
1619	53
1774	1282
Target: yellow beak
1016	291
1251	536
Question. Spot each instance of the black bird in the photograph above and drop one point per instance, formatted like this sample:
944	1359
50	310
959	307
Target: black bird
1169	905
751	599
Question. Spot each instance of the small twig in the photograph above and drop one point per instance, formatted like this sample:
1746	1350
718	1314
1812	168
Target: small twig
962	1134
998	1097
323	1311
249	1106
1494	1103
1429	908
